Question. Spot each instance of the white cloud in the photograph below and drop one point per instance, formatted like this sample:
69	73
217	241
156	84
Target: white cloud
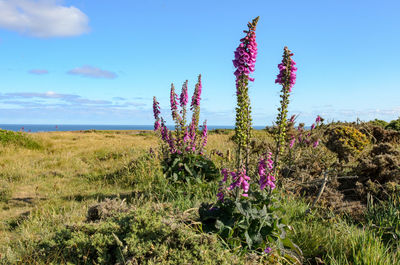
42	18
94	72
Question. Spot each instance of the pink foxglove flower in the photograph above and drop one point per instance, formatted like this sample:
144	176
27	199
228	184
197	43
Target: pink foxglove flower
265	170
246	53
287	70
156	112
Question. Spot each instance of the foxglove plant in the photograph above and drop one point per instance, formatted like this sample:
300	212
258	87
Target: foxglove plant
183	148
244	212
244	62
286	78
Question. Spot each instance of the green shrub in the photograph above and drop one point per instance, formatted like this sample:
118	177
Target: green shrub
380	123
394	125
18	139
141	236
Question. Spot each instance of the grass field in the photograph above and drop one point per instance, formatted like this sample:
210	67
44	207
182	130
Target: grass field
46	192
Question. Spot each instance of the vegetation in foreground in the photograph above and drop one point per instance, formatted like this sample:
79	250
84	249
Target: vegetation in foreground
46	217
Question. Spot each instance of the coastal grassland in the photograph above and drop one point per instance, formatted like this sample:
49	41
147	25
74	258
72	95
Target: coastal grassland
49	190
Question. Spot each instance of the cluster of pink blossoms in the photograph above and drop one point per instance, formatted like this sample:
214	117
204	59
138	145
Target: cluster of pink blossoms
305	139
265	170
239	179
185	137
184	98
287	70
245	54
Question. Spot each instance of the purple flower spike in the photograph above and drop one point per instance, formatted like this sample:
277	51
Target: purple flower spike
287	71
156	112
246	53
184	98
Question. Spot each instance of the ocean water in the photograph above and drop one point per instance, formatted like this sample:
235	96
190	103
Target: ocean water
82	127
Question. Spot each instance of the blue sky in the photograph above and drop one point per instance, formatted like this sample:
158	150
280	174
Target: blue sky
100	62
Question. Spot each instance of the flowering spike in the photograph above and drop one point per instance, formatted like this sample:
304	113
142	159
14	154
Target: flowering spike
156	112
287	78
244	62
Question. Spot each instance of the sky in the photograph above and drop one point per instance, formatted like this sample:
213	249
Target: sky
101	62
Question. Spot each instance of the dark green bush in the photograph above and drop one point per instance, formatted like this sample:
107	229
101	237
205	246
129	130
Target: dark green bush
394	125
380	123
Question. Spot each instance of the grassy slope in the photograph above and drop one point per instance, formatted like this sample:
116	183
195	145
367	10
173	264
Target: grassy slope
54	186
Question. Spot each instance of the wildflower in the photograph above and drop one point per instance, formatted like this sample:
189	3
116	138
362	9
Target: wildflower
174	104
267	250
240	180
204	133
292	141
292	119
313	126
196	95
287	70
184	98
246	53
315	144
265	170
318	119
156	112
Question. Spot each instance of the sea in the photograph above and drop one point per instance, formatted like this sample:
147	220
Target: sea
84	127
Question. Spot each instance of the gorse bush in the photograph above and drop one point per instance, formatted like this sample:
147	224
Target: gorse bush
346	141
183	150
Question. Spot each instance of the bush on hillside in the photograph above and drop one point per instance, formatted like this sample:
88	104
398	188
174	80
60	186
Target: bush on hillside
18	139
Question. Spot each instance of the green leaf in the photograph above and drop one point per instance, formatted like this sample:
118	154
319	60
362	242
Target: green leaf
219	225
188	170
289	244
249	241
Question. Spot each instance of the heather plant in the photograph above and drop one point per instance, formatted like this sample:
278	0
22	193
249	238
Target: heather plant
245	214
183	150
